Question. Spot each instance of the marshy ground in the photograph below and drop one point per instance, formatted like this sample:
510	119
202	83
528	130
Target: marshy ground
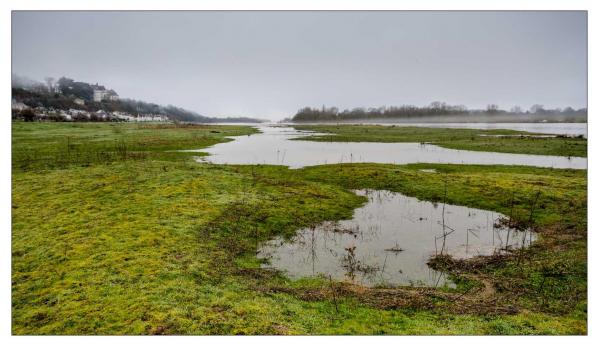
502	141
114	232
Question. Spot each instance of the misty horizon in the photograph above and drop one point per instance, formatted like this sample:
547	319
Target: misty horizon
268	65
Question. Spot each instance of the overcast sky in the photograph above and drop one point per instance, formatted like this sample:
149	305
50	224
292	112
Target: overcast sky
269	64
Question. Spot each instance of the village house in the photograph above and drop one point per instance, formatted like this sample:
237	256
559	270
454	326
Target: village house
140	117
102	94
102	114
19	106
78	112
123	116
151	117
65	115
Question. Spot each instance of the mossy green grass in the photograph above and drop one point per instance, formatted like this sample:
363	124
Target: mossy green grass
503	141
147	241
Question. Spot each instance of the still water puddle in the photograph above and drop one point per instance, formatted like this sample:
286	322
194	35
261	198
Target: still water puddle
274	146
389	241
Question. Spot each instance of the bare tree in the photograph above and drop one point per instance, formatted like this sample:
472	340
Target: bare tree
516	110
50	83
492	108
537	109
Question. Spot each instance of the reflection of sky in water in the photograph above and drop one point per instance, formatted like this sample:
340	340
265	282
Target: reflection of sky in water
568	129
391	221
273	146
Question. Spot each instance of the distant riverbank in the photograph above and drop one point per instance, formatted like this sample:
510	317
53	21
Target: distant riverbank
508	118
554	128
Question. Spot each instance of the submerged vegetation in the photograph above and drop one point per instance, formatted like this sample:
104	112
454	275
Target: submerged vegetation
115	233
503	141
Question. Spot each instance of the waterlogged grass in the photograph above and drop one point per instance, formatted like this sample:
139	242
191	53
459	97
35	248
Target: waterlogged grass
552	273
159	244
503	141
51	145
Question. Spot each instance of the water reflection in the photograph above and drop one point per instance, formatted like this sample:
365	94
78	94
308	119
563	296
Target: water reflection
389	240
273	146
568	129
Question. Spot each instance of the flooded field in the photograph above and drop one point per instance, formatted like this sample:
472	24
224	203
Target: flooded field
568	129
389	241
273	146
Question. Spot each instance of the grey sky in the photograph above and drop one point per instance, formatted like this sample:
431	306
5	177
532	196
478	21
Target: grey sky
269	64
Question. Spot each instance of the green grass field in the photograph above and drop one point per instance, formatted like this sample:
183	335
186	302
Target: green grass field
112	233
509	141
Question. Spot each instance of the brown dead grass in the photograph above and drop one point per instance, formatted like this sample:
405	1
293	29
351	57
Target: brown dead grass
490	295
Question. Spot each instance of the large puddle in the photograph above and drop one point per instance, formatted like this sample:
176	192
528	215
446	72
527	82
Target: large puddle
389	240
273	146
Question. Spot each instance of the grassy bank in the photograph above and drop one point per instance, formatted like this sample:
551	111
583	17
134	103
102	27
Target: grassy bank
153	243
59	145
503	141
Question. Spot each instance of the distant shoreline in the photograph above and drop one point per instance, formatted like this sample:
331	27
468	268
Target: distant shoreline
451	119
424	121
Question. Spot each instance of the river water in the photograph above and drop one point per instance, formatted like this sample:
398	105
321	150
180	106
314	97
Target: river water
568	129
390	239
273	146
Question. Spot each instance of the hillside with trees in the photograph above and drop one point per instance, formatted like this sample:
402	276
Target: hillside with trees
66	94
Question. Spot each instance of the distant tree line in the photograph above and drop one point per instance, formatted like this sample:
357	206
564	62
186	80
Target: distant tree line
308	114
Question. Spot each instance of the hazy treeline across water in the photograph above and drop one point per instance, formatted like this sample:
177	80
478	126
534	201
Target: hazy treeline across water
440	112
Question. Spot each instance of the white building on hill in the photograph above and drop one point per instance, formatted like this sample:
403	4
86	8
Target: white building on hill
101	95
19	106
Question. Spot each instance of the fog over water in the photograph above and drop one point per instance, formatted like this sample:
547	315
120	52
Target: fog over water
269	64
